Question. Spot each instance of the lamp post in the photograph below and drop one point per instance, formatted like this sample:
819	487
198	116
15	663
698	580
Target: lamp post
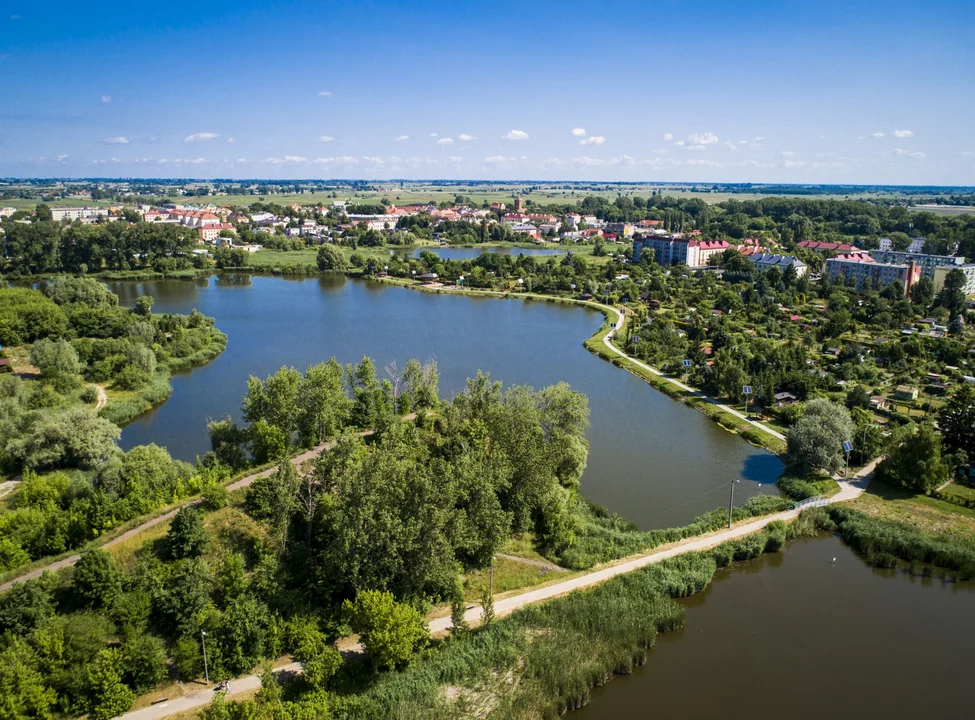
206	671
847	449
746	391
731	505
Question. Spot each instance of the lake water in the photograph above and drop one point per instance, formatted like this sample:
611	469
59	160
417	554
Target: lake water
653	460
794	635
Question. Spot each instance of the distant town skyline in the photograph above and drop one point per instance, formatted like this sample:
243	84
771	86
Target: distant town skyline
765	92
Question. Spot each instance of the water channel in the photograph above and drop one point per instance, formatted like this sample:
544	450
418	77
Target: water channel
797	635
653	460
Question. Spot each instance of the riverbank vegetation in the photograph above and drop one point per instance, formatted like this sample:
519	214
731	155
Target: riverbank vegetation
59	424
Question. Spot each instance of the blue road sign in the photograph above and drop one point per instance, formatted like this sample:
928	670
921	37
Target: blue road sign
687	363
747	389
847	446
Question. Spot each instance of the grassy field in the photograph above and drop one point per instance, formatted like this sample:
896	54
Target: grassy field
414	193
926	513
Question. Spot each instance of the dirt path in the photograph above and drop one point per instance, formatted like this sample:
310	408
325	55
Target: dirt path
849	490
543	564
102	398
242	483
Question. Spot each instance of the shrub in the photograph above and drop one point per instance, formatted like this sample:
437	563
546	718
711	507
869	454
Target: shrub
89	395
391	631
215	497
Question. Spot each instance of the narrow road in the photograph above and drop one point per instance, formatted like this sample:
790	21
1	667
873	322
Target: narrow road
612	348
849	490
242	483
102	398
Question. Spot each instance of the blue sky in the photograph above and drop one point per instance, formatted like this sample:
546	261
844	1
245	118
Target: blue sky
777	91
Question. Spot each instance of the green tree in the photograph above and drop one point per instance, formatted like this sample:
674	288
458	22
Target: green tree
330	258
108	696
915	461
324	405
816	440
73	437
97	579
23	692
54	358
26	605
187	537
391	632
952	296
144	660
319	660
957	420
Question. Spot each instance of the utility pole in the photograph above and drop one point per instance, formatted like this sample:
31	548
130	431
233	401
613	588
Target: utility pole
492	577
731	505
206	671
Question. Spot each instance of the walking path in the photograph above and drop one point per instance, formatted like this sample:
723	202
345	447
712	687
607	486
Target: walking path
102	398
687	388
850	489
242	483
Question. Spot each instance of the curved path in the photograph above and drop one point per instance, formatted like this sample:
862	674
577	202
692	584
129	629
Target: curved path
236	485
102	398
849	490
687	388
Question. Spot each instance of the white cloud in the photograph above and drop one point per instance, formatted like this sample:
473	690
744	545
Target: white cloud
326	138
433	134
788	153
968	154
286	160
445	141
695	148
401	138
231	141
106	99
201	136
917	155
578	132
593	140
455	159
340	160
515	135
152	139
374	159
325	93
117	141
497	159
903	133
702	161
62	157
878	135
707	138
467	138
679	143
668	136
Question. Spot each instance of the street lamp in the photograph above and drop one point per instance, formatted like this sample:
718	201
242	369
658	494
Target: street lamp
206	671
731	505
746	391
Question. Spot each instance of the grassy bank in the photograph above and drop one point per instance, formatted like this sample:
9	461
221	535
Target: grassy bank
808	485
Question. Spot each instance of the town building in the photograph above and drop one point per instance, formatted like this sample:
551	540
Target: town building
928	263
7	211
864	272
620	229
209	233
77	213
916	246
707	249
831	247
941	272
764	261
668	249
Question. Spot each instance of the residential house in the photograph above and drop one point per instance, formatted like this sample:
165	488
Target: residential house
77	213
764	261
928	263
209	233
905	393
941	272
831	247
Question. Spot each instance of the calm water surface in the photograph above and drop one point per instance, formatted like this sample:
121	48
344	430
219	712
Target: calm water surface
652	460
793	635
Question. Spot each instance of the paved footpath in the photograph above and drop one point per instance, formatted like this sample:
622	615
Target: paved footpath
849	490
687	388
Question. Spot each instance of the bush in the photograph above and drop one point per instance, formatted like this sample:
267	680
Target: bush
89	395
186	538
215	497
97	579
391	631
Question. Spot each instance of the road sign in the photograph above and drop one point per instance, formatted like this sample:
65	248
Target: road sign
612	324
747	390
635	339
687	363
847	446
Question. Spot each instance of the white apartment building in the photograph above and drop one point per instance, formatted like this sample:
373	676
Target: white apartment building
77	213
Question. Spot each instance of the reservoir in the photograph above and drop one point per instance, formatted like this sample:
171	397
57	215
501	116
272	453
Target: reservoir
796	635
652	460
